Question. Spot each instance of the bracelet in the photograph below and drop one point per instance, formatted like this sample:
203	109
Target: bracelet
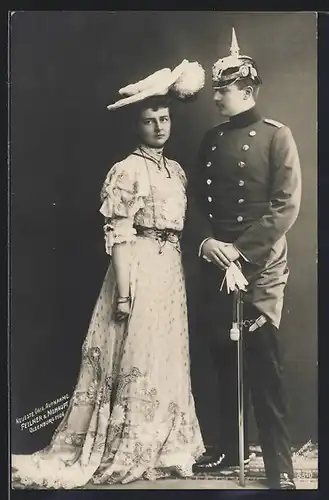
123	299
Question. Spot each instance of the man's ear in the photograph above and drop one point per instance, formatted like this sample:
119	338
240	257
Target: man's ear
248	92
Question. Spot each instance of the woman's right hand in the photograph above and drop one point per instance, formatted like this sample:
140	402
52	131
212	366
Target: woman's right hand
122	310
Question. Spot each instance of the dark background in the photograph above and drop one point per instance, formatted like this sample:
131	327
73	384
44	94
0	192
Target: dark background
65	69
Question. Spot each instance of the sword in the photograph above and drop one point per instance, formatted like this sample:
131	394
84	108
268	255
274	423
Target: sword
236	335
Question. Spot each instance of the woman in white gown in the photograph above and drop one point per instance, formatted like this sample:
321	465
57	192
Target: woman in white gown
132	412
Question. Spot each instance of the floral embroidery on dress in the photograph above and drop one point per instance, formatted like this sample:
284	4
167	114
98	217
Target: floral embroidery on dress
132	414
173	407
92	359
136	193
117	416
75	439
107	390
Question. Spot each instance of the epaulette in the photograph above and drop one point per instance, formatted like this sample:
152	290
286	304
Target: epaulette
273	122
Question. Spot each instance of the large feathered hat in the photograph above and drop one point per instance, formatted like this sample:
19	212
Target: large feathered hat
183	82
234	67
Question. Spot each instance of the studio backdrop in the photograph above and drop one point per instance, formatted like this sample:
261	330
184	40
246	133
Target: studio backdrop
65	68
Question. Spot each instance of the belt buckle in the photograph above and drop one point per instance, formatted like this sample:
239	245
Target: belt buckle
164	236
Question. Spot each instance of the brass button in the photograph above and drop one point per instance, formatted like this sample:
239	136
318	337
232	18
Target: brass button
241	183
241	200
245	147
209	181
252	133
213	148
210	216
209	164
240	218
209	199
241	164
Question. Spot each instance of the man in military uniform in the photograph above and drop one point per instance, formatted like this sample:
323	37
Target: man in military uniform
247	196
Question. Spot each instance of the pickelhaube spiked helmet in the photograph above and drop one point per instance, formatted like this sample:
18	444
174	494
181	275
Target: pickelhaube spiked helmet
234	67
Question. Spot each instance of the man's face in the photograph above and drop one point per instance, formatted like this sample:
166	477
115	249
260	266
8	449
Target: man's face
154	127
230	100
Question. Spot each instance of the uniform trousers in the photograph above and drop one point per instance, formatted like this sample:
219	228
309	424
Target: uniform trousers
263	377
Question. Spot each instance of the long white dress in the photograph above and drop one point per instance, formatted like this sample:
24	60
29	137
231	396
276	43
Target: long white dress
132	412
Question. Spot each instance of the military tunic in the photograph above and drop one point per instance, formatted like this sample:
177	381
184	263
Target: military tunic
248	192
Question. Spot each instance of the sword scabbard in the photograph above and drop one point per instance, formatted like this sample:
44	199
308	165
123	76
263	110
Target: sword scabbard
238	317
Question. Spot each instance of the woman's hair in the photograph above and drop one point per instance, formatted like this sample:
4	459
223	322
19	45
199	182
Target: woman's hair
154	103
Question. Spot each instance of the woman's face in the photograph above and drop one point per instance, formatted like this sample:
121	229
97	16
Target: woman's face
154	127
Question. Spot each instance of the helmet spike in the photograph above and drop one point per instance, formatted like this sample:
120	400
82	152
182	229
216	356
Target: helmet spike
234	50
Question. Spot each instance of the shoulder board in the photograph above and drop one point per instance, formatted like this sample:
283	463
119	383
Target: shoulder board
273	122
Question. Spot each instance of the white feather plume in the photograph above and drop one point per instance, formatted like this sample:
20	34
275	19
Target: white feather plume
190	82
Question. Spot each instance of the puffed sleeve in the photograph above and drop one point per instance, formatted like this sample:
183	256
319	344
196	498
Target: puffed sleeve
181	173
121	198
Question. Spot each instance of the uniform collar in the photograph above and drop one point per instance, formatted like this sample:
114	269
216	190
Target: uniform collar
245	118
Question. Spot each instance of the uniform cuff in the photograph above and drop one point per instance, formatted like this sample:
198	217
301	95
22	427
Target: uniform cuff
200	249
241	254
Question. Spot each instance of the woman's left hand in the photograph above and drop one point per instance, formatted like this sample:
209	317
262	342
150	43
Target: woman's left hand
122	310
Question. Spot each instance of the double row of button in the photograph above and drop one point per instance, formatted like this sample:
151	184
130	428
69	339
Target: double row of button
241	182
241	164
240	200
239	218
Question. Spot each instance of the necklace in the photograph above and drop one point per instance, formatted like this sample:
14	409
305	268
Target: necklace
157	161
155	154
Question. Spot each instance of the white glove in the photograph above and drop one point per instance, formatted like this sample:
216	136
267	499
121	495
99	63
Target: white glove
234	279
